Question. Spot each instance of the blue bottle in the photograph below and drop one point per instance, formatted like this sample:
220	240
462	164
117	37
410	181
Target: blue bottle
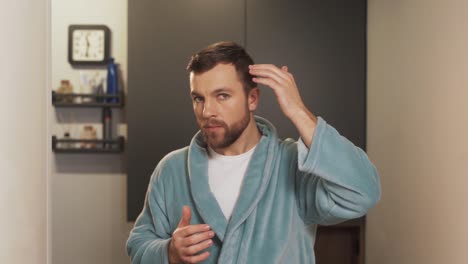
112	81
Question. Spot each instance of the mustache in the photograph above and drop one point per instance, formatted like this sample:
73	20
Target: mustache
213	122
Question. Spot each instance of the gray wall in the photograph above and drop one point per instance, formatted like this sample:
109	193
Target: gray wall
323	44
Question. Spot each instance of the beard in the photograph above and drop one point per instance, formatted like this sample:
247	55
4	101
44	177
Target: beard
217	139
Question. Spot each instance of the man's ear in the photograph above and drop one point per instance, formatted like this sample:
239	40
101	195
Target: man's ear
253	97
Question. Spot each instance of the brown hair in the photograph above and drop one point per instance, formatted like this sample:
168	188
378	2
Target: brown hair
227	53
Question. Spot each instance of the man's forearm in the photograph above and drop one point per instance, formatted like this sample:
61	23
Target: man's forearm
305	123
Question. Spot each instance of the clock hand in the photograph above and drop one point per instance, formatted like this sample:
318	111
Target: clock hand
87	45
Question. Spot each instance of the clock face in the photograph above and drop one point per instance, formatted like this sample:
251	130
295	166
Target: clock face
88	44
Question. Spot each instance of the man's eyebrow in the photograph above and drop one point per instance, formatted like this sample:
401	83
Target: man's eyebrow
219	90
222	89
193	93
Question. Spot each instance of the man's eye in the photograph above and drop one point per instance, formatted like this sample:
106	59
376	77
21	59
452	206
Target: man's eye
197	99
223	96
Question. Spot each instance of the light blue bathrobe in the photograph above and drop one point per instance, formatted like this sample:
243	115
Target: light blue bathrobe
287	190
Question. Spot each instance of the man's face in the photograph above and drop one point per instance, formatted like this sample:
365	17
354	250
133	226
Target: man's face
220	105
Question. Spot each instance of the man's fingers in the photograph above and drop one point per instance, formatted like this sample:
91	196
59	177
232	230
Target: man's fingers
186	216
197	238
189	240
284	74
194	249
192	229
269	74
286	70
276	74
196	259
267	81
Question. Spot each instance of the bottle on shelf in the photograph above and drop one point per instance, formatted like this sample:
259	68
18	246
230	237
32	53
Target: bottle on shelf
112	81
107	126
99	93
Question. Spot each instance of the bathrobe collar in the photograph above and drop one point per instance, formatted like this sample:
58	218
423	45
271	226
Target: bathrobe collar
253	186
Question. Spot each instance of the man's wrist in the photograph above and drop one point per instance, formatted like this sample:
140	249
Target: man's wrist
305	122
301	115
170	255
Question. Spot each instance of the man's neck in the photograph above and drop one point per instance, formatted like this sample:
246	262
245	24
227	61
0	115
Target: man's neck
246	141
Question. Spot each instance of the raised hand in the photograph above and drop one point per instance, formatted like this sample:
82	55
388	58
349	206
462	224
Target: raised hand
283	84
188	240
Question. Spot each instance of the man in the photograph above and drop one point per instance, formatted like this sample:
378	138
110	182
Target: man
237	193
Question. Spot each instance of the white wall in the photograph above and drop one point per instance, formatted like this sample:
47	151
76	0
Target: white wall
417	130
88	191
23	138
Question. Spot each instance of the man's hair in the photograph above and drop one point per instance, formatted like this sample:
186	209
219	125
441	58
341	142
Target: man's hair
226	53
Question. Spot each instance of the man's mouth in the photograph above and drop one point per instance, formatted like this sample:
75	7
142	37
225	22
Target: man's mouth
213	124
212	127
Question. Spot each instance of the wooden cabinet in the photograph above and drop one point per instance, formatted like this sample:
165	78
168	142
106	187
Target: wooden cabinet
341	244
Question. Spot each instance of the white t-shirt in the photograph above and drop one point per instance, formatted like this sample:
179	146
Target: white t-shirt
225	175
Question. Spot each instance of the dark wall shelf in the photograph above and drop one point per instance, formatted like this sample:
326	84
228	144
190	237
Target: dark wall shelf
96	145
79	100
87	100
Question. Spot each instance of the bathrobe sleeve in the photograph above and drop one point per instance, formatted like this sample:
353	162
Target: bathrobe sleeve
149	239
335	180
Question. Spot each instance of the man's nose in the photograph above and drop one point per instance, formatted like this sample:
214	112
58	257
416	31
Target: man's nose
208	109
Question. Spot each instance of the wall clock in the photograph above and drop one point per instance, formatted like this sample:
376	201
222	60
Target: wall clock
88	45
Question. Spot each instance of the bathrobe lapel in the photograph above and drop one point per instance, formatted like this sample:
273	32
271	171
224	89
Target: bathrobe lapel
206	203
257	176
255	181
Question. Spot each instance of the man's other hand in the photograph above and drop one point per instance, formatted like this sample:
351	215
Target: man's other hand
188	240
